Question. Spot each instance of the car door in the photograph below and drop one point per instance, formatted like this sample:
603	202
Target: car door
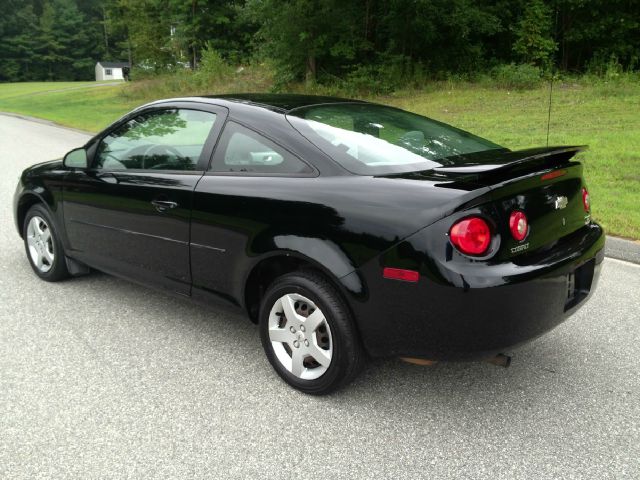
129	213
236	202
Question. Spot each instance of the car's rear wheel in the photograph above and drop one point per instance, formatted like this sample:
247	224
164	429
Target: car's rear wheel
308	334
43	246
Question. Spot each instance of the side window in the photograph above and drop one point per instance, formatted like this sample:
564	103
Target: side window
158	140
243	150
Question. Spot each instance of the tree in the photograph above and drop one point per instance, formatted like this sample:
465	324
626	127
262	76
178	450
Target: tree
303	36
214	23
318	40
595	31
534	39
444	35
18	25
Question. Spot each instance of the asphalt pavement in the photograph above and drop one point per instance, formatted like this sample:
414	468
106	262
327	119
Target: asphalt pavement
623	249
100	378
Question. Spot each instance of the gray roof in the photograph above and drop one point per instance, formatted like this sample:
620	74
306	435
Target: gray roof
113	64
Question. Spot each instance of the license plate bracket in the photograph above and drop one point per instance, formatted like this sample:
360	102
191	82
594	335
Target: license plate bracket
579	284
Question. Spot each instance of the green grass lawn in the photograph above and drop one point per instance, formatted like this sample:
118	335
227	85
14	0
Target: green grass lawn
80	105
9	90
604	116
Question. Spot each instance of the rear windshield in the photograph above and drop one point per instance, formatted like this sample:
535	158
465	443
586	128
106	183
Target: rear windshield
377	140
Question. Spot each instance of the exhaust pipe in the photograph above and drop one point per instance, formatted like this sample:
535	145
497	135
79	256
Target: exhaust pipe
500	360
418	361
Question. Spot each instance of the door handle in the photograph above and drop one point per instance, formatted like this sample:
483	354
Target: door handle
163	205
108	177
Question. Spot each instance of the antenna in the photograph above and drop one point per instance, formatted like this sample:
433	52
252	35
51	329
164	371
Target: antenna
549	114
555	34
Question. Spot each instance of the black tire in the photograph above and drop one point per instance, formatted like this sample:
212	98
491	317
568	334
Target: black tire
58	268
348	356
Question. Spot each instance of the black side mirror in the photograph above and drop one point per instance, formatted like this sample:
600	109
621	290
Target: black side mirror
76	158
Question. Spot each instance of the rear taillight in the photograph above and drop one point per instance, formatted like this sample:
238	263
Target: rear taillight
519	225
552	175
471	236
585	200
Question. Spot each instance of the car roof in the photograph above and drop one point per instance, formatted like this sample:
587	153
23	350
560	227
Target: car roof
281	102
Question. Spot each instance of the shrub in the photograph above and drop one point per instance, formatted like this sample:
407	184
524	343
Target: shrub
367	79
212	65
517	77
389	73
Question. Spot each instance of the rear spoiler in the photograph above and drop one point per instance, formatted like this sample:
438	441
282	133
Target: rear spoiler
492	161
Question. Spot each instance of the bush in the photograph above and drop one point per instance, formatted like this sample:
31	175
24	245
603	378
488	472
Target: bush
388	74
606	67
212	65
368	79
516	77
185	82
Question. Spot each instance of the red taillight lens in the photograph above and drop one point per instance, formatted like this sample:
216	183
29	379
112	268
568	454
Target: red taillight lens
518	224
401	274
585	200
471	236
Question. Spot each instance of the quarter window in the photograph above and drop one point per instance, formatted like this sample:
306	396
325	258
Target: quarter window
243	150
170	139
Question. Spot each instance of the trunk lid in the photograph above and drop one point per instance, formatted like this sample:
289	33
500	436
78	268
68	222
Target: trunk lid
544	183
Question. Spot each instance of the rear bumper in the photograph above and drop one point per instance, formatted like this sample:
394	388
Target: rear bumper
449	315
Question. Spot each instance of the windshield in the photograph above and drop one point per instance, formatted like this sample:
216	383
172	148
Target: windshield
376	140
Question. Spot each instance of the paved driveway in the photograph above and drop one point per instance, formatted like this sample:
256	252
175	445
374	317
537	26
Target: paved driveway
100	378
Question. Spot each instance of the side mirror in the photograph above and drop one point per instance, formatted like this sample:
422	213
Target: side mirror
76	158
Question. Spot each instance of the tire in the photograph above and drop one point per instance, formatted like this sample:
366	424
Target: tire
42	244
327	342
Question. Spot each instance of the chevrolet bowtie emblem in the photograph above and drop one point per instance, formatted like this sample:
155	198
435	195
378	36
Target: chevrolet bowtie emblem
561	202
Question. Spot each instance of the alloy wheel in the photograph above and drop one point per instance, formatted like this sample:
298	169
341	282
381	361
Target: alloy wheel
300	336
40	243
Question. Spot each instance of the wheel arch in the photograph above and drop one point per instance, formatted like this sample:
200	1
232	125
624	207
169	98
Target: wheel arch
26	201
278	263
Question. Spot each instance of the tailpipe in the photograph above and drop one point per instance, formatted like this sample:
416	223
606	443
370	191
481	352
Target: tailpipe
500	360
418	361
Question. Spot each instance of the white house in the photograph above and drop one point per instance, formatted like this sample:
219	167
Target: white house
110	70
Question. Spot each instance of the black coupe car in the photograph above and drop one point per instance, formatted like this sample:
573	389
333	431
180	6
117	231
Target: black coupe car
343	228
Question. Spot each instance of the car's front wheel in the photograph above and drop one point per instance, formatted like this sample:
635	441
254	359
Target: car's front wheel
308	334
43	246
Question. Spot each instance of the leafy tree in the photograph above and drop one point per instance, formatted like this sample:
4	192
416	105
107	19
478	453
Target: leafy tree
216	23
374	42
149	29
445	35
17	40
61	42
534	41
596	30
49	51
304	36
